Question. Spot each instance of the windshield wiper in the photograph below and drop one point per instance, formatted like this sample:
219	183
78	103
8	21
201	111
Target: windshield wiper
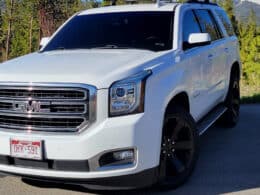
116	47
59	48
107	47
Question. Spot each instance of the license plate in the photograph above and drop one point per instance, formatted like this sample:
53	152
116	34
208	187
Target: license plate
26	149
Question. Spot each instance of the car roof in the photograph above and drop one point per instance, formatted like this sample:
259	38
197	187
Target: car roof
131	8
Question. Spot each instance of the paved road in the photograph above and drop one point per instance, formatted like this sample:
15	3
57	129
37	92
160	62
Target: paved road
229	164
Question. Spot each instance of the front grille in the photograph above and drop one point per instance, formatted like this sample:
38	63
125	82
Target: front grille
46	108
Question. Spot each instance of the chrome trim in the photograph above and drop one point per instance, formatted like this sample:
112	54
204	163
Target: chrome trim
32	87
44	112
90	97
37	115
39	129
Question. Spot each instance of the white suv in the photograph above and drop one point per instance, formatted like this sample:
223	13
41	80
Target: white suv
118	96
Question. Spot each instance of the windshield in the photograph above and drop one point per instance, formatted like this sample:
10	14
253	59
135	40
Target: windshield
137	30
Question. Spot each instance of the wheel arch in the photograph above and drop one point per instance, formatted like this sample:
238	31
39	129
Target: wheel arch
181	99
235	69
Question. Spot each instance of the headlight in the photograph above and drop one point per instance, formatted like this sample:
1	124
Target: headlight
127	96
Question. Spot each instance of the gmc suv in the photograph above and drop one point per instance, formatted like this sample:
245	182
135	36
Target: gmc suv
118	96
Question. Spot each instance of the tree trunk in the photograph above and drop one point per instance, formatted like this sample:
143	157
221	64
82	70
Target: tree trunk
30	38
46	18
9	30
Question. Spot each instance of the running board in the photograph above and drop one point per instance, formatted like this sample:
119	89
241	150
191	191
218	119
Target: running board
210	119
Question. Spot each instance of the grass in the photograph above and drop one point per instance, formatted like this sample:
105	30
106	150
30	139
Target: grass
250	94
255	99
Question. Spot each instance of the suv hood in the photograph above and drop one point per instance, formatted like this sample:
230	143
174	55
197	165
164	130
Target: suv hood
94	67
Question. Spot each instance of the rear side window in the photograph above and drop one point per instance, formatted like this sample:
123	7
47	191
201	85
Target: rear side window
190	25
208	24
226	22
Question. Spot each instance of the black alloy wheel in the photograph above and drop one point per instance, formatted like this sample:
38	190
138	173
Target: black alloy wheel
179	150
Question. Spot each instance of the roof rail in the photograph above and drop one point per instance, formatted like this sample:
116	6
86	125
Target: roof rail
202	2
158	2
197	1
161	2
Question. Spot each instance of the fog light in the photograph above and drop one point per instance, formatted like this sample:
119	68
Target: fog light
124	155
121	157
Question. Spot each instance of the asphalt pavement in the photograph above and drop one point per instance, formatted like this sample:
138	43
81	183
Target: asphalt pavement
229	163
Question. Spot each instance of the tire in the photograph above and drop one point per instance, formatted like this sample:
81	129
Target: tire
179	150
231	117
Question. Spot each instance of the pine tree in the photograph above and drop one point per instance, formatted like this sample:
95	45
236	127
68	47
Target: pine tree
52	13
228	5
9	22
250	49
70	7
22	34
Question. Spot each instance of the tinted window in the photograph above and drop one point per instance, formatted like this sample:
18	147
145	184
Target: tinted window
208	24
226	22
190	25
141	30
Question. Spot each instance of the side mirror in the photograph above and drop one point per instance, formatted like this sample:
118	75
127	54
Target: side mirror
197	39
44	42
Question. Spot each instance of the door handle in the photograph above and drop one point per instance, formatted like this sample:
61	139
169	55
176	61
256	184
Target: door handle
226	50
210	56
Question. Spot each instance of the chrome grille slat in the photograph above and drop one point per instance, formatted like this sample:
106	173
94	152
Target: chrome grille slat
54	108
59	109
36	93
64	121
11	114
39	129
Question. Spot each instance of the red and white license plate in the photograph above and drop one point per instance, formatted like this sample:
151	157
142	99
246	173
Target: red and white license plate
26	149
